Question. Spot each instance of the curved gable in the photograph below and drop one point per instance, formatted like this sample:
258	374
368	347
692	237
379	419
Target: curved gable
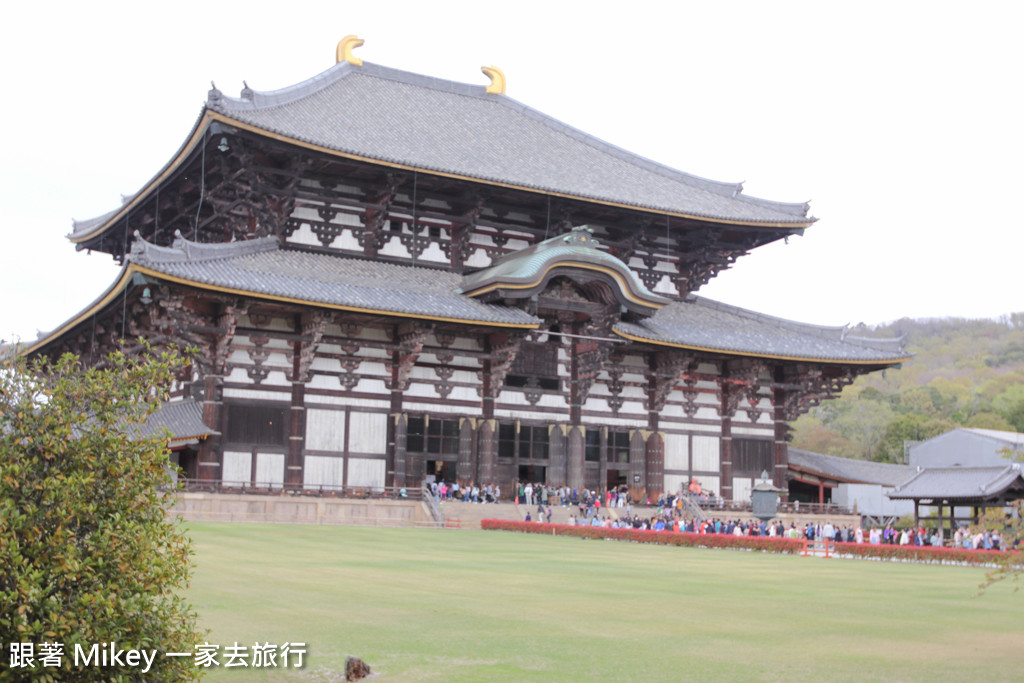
576	256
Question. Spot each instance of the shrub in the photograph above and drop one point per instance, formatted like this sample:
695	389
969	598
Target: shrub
88	554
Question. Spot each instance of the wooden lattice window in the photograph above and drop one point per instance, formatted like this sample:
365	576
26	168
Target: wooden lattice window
437	436
618	447
752	456
258	425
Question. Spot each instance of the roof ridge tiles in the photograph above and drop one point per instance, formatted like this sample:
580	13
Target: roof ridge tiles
186	250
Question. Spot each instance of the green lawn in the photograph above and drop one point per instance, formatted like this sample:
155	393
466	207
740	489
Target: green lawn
447	605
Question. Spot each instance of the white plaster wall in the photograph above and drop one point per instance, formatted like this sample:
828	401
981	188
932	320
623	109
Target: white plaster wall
237	467
270	468
709	484
610	421
394	247
433	253
368	433
278	396
674	483
322	471
677	452
325	430
706	453
346	240
366	472
741	487
666	286
304	235
753	431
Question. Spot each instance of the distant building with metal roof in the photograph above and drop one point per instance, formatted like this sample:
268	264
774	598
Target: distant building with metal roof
966	447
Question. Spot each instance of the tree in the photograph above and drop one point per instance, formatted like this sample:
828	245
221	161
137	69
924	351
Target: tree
88	554
1010	523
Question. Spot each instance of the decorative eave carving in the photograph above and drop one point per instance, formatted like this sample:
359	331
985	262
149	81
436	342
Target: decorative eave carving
810	384
258	354
313	324
409	339
740	379
445	356
615	370
592	353
504	346
666	368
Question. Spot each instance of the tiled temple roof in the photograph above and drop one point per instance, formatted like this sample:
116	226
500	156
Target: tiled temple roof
437	125
960	483
703	324
398	118
183	419
850	470
261	268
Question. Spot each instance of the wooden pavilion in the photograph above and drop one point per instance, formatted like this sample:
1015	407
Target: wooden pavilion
391	278
974	488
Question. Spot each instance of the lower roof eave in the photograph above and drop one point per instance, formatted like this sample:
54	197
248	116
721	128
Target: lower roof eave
875	363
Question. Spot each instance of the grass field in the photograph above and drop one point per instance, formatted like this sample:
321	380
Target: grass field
437	605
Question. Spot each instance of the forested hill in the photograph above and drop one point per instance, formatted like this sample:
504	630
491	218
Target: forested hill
965	373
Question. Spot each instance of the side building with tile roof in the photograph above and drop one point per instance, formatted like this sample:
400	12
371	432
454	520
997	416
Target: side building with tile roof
393	278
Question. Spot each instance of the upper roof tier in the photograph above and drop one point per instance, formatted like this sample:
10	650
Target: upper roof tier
400	119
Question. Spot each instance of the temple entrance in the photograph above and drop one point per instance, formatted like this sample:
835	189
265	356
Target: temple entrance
440	470
616	478
533	473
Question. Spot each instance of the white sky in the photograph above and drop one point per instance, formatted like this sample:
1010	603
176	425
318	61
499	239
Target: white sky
901	122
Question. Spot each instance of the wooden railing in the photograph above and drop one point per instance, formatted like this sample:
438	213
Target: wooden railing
713	506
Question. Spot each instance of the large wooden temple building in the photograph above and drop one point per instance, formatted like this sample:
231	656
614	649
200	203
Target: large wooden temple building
391	277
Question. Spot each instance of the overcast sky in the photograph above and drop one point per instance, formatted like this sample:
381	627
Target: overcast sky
901	122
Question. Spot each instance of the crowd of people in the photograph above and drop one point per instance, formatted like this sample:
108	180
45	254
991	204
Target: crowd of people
669	516
470	493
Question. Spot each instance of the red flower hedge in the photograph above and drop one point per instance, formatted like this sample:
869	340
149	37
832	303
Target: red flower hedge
915	553
765	543
905	553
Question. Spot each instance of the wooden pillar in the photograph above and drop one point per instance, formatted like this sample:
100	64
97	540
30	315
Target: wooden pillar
397	466
821	493
210	460
638	466
293	459
486	451
465	467
488	391
654	458
781	461
725	447
557	456
395	455
575	394
574	457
